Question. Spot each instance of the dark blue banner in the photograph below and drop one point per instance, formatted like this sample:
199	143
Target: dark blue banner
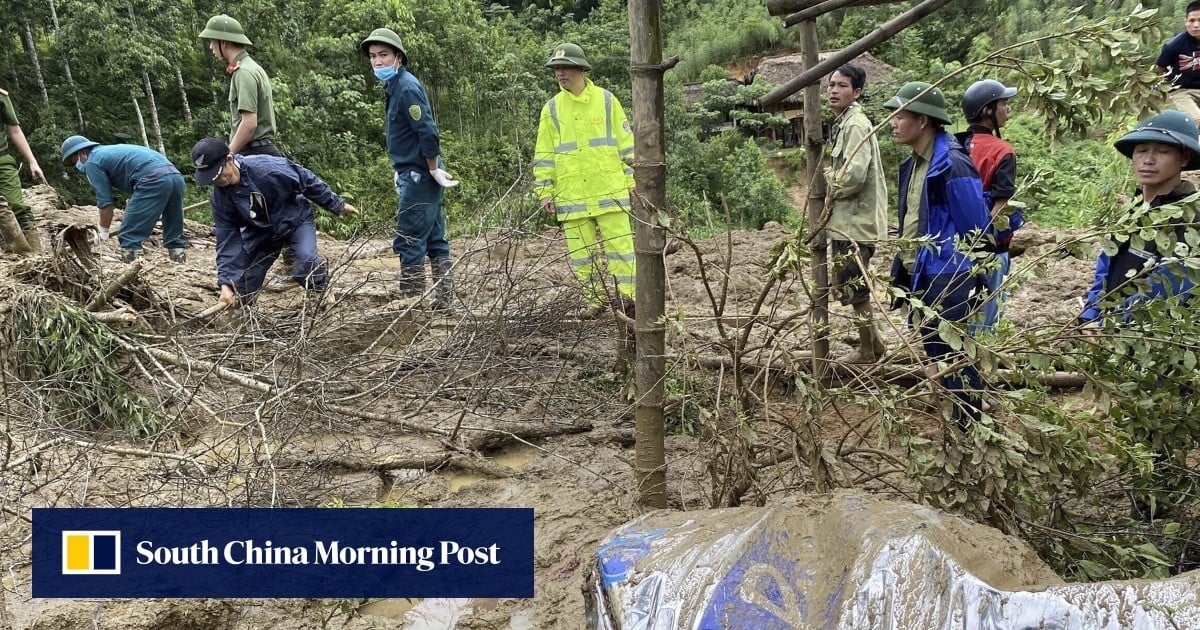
282	552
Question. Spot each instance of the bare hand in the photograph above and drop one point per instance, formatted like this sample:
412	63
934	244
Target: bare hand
548	206
349	209
36	172
227	297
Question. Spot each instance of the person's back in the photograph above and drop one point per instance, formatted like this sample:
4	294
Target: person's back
127	163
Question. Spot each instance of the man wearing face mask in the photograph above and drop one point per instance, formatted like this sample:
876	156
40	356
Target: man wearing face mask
415	151
154	186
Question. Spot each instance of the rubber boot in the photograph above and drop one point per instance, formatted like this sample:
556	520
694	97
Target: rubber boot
33	238
177	254
130	255
10	231
443	284
412	281
870	347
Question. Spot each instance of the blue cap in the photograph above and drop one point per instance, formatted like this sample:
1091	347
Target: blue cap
74	145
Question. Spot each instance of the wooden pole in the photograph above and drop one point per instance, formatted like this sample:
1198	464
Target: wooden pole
814	144
650	197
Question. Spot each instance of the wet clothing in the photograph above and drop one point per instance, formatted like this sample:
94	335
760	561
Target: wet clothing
950	210
420	220
412	136
154	186
859	200
250	91
1162	274
269	209
579	161
10	178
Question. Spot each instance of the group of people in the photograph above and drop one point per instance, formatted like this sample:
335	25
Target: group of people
957	216
262	202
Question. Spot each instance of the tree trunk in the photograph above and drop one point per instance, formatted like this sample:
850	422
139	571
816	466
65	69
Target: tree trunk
650	198
187	107
67	71
814	144
845	55
149	87
36	63
137	110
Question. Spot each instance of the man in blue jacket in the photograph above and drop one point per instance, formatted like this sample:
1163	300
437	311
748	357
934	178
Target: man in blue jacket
261	204
1160	149
943	216
154	186
413	145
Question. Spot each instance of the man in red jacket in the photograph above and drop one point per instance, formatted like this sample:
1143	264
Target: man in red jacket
985	105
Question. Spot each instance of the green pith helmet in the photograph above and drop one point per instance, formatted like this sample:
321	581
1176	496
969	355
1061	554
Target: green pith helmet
383	36
568	56
1172	128
931	103
226	29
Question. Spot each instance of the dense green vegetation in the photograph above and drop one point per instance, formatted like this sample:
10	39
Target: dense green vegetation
482	65
106	68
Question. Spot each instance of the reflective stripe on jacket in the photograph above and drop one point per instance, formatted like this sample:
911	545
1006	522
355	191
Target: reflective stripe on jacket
579	161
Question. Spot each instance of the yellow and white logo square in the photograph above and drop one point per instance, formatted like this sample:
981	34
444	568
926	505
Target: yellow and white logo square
91	553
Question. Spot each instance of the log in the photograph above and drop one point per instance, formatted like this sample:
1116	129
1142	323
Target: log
110	291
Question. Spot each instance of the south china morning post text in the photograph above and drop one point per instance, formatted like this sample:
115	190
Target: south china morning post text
240	552
282	552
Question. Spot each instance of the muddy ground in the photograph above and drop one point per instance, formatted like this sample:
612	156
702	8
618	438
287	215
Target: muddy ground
365	398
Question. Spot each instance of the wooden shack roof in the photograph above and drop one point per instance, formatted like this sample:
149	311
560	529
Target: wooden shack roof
782	68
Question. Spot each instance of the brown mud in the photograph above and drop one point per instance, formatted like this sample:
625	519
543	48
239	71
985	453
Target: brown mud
511	401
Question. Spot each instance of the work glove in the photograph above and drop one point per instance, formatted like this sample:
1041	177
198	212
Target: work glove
443	178
101	235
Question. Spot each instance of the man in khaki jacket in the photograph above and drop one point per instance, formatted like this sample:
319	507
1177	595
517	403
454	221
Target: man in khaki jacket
858	198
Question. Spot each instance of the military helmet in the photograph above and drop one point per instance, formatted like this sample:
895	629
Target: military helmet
1171	128
383	36
568	56
226	29
74	145
984	93
931	103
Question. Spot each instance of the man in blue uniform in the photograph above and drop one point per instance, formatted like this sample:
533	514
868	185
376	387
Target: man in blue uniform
1179	61
260	204
412	141
154	186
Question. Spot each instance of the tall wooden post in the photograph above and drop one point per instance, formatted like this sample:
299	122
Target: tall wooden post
650	198
814	145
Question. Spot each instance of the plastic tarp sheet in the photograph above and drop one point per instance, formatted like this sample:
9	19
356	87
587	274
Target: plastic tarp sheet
849	561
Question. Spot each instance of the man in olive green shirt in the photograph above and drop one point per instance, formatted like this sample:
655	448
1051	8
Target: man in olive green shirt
858	205
17	227
251	104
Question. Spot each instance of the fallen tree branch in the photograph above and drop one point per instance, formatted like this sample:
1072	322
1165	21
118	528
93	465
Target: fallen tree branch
487	438
33	452
109	292
428	461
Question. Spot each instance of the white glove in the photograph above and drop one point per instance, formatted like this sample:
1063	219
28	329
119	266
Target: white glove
103	236
443	178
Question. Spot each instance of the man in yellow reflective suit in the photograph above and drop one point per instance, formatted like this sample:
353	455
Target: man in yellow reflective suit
582	175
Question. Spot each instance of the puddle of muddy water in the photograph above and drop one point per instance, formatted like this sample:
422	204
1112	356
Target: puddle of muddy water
515	457
438	613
